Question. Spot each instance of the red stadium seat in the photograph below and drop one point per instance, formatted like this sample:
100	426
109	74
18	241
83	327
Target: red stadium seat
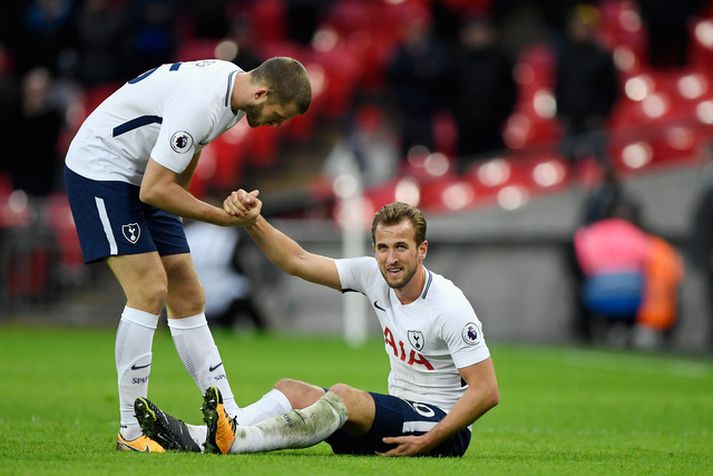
268	20
59	217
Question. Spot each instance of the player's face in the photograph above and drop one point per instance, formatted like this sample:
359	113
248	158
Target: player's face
397	253
265	114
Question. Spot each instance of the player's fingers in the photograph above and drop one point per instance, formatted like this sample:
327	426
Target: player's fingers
391	453
253	213
246	199
242	200
231	208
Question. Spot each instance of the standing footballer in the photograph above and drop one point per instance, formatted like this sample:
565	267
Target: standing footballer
442	377
127	176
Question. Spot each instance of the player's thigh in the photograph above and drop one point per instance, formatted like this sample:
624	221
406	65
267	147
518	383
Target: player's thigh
167	232
360	405
398	417
109	217
142	278
185	293
181	273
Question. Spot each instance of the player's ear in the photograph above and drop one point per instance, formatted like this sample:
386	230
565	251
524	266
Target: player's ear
261	94
423	250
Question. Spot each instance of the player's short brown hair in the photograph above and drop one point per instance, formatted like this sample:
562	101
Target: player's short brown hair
287	81
397	212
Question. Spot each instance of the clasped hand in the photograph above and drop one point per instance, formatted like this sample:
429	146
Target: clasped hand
243	206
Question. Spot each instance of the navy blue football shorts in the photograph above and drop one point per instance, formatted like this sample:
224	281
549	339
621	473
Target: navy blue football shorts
398	417
111	220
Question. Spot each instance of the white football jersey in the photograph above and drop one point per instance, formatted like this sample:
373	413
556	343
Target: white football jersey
427	340
168	114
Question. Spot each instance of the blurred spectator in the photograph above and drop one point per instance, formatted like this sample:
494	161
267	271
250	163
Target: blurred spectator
302	17
34	159
447	20
702	234
228	291
46	38
9	105
667	30
416	74
484	93
368	145
209	18
242	34
100	35
151	33
609	195
586	87
628	281
10	23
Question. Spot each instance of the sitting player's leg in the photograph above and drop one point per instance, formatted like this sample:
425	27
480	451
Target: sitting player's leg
297	429
395	416
171	432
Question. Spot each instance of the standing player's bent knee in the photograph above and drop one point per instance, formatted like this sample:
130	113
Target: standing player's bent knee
153	294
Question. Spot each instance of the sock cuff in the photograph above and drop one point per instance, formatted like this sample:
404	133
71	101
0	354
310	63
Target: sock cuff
280	398
139	317
336	402
187	323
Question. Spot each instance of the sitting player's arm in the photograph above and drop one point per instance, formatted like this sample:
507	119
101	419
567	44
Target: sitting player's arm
288	255
163	188
480	396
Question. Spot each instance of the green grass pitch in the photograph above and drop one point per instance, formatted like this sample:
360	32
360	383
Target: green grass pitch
562	411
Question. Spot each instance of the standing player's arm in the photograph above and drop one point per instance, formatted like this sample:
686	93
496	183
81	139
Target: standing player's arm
480	396
289	256
184	178
162	188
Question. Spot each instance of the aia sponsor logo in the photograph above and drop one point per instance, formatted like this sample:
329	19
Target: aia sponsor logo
399	350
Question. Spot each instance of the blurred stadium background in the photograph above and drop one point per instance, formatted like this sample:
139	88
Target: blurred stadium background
500	220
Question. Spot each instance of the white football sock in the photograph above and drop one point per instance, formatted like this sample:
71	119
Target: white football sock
200	356
199	433
132	350
271	404
296	429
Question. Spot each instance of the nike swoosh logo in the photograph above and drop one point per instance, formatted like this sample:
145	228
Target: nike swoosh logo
213	367
137	367
376	305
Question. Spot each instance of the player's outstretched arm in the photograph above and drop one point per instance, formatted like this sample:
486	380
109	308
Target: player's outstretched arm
161	188
481	396
288	255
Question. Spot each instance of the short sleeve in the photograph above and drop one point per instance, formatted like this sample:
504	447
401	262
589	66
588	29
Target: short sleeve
463	334
184	126
356	274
